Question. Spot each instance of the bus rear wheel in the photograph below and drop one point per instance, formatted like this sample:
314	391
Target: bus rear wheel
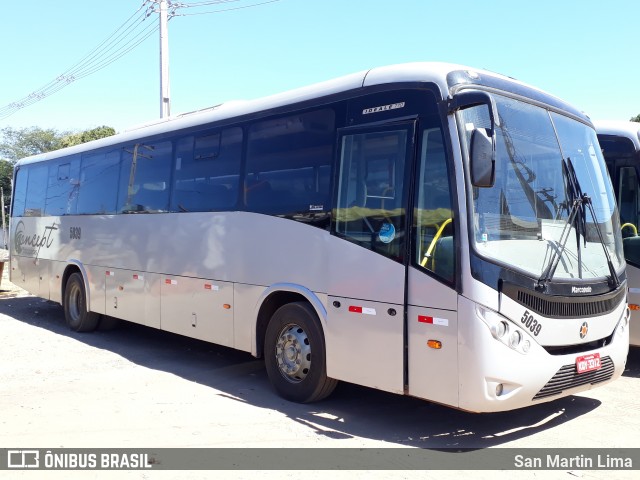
295	355
76	314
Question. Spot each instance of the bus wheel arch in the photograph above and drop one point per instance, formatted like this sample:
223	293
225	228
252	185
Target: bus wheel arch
267	308
68	271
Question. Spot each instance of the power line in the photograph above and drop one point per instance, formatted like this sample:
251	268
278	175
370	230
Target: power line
201	4
124	39
204	4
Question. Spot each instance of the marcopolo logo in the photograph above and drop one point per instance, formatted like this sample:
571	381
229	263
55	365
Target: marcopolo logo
581	289
30	244
584	329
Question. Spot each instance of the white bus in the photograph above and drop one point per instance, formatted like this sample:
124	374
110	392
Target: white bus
620	142
424	229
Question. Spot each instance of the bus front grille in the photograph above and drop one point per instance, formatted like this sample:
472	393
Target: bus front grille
567	377
567	307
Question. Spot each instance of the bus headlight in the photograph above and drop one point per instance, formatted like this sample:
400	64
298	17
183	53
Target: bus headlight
500	329
624	321
503	330
515	338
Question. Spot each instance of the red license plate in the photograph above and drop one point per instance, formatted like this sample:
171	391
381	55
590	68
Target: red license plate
588	363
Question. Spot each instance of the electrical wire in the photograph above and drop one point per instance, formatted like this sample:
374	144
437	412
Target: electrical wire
203	4
124	39
188	5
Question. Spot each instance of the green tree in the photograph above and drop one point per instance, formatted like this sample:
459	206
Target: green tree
636	118
6	171
6	174
71	139
23	142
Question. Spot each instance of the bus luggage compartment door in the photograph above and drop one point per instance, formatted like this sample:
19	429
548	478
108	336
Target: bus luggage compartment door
133	296
198	308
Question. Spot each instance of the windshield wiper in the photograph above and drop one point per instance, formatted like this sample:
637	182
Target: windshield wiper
579	203
577	209
614	280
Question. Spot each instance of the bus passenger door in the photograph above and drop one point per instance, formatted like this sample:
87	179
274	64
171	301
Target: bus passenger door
367	257
432	321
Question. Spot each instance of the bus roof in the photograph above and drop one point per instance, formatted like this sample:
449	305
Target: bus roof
433	72
630	130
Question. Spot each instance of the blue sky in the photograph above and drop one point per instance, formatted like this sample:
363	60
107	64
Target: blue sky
585	52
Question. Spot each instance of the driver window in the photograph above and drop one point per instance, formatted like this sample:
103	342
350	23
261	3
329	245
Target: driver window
434	226
370	208
629	203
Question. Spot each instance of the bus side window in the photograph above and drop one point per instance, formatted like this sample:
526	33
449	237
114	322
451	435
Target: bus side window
145	174
98	183
370	210
36	190
207	171
20	192
62	191
289	165
434	227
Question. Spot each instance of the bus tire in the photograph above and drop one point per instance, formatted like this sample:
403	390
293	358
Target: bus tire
78	318
295	355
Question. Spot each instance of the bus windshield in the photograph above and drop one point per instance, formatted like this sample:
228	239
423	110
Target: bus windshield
544	162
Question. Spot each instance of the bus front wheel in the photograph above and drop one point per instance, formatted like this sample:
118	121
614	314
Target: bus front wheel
295	355
78	317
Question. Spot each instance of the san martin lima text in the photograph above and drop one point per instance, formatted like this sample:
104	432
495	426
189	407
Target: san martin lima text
575	461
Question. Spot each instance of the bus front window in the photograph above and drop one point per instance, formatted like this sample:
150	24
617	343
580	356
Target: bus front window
522	220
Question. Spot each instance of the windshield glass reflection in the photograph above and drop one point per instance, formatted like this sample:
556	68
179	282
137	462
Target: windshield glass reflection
520	220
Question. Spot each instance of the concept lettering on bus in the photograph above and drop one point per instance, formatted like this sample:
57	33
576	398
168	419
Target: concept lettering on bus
425	229
620	142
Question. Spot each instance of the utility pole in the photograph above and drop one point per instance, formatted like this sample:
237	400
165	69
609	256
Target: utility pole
165	100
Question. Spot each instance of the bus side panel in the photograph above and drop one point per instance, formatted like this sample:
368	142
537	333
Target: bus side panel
96	279
133	296
433	370
56	272
364	338
43	275
364	343
432	316
246	300
32	274
633	278
198	308
19	268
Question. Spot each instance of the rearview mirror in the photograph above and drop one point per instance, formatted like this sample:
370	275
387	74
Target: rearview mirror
482	158
482	152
